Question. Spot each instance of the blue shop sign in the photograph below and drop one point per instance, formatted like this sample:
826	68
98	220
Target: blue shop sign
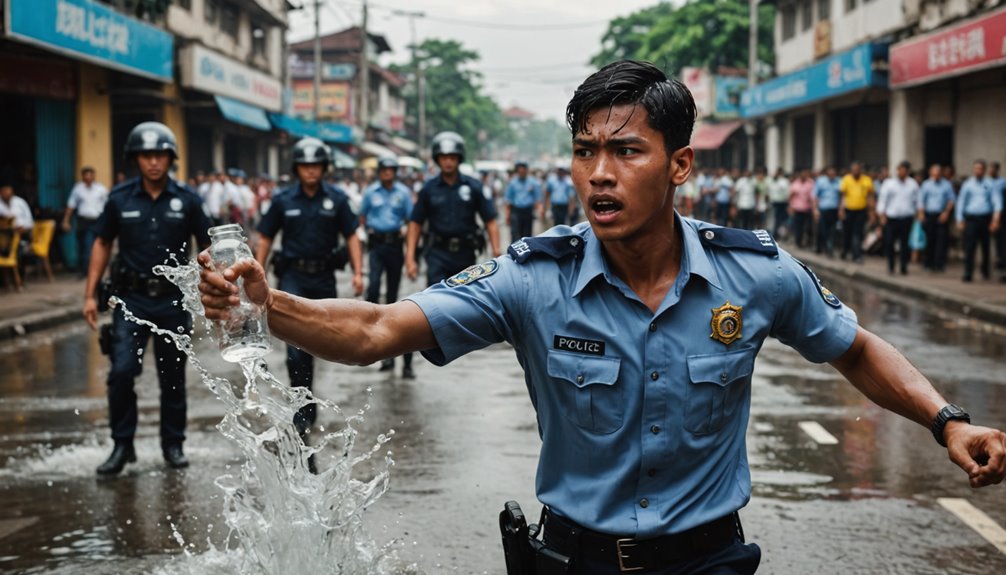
326	131
728	95
834	76
90	31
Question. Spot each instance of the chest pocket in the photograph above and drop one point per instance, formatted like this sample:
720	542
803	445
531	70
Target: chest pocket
587	390
717	387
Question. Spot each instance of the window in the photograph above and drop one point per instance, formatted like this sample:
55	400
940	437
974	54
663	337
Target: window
258	40
229	19
788	21
211	11
806	7
850	5
823	9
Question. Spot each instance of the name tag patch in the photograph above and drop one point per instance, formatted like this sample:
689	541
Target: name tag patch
577	345
292	212
131	214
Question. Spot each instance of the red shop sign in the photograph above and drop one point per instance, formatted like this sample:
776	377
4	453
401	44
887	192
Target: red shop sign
974	45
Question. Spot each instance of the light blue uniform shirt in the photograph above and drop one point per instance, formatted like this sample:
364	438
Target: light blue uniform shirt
386	210
523	193
827	192
978	198
642	415
724	184
560	190
934	195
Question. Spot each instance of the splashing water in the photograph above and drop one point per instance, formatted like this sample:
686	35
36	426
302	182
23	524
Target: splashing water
282	517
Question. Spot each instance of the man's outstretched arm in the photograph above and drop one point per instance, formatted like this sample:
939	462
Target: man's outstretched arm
340	330
885	376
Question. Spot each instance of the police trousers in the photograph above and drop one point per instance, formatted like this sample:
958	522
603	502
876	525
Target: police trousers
826	231
897	231
560	214
85	239
977	234
852	237
126	353
386	260
299	363
521	222
936	241
442	264
737	559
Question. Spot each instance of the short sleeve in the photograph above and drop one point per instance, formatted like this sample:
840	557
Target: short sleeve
107	226
200	222
419	211
72	201
272	220
365	204
487	208
475	314
407	201
809	317
348	221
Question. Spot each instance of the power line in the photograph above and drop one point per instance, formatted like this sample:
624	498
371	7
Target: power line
486	25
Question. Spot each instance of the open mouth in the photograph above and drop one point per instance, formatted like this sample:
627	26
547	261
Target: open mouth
605	208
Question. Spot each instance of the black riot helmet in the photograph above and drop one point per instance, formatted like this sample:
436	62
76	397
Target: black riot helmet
311	151
388	162
151	137
448	143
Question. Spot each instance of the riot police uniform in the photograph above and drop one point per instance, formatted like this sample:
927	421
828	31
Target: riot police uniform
642	415
453	236
148	230
311	227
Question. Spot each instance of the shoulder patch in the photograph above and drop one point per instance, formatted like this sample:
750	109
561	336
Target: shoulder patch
826	294
556	247
473	273
730	238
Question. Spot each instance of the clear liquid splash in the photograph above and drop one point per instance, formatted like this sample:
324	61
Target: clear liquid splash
282	517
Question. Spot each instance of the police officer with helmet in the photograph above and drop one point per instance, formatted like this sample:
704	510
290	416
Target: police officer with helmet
152	216
312	216
384	213
449	202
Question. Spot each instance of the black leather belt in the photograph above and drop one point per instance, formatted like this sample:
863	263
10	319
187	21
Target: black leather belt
384	237
455	243
638	555
311	266
151	286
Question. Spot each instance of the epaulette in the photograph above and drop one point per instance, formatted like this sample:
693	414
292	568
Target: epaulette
126	185
556	247
731	238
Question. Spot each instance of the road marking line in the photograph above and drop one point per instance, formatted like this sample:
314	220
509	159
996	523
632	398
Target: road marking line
976	519
818	433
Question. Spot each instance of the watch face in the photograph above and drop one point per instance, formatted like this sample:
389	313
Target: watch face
955	411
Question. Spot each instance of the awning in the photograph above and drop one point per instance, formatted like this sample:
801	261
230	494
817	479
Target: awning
406	144
712	136
326	131
342	160
244	114
375	149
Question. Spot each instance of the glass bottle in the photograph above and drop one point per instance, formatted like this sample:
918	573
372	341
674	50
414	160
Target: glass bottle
244	335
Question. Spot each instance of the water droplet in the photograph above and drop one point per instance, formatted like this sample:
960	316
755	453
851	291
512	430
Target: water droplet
76	412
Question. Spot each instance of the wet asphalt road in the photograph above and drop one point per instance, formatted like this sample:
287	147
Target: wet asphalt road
466	441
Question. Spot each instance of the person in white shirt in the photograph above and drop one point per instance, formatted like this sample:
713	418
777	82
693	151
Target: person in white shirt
216	199
11	206
747	201
203	184
87	201
778	196
896	206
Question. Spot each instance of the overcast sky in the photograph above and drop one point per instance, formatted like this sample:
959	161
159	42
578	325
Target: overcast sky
537	69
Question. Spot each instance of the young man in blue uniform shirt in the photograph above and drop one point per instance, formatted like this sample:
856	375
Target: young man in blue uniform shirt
560	197
641	410
312	217
827	198
978	209
523	199
936	205
151	216
384	213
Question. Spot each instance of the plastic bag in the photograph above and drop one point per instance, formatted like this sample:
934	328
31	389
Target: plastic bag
917	237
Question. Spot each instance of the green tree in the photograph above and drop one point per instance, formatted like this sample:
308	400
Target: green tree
702	33
455	98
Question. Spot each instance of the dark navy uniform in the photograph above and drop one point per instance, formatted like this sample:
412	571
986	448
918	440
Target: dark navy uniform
454	234
312	227
149	231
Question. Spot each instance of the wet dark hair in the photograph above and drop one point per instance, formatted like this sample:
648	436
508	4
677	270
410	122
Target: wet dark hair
669	106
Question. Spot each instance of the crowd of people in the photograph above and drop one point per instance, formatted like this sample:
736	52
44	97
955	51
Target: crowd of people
912	213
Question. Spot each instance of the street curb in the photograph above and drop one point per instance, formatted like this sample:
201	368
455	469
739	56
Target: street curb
977	310
23	325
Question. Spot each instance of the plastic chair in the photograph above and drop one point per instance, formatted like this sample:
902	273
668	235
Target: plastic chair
9	259
41	239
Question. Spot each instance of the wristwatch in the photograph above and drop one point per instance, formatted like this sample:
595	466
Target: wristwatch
950	412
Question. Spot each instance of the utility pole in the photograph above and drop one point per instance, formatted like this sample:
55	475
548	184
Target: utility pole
317	59
418	72
749	127
364	73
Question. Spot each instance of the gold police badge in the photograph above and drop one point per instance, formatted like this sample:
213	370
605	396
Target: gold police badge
726	323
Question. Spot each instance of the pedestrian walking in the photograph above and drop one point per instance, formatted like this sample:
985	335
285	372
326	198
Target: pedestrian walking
450	202
778	196
559	197
216	199
152	217
723	200
999	189
935	207
314	218
897	204
87	201
642	416
857	191
384	214
801	208
747	201
523	199
827	198
977	213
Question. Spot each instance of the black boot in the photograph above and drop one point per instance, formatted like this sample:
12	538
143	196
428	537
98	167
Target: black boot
407	372
174	456
122	454
387	365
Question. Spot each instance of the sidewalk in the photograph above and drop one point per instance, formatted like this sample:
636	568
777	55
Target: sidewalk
41	304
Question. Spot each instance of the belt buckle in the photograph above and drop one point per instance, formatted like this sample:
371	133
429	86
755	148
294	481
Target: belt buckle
619	546
454	245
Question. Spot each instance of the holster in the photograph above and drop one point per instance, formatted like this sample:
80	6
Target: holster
105	339
341	258
526	554
104	292
279	264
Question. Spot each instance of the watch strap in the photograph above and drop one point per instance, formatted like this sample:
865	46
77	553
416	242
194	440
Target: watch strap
950	412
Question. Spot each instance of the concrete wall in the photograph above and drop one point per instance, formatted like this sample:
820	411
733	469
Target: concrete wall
191	25
94	123
174	118
980	125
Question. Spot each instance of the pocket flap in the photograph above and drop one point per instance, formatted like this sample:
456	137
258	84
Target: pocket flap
721	368
583	370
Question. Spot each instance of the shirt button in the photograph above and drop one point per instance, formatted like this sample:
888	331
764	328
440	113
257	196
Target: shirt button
654	376
579	378
644	503
653	327
723	377
655	429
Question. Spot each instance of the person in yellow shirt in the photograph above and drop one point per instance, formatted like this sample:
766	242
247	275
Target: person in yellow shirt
856	188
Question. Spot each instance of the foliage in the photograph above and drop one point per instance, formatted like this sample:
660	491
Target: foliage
701	33
455	99
543	138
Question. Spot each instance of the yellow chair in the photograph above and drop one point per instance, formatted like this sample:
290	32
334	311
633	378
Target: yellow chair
41	239
9	259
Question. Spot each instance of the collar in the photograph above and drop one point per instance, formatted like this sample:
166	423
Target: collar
171	188
694	259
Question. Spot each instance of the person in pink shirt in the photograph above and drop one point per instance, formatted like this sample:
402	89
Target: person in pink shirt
801	206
